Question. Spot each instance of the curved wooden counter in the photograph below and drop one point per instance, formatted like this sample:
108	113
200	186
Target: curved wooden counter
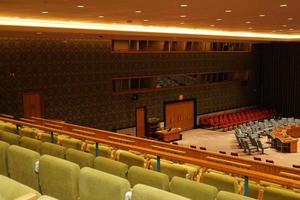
288	136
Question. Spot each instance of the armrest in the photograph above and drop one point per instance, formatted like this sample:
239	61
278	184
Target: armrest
30	196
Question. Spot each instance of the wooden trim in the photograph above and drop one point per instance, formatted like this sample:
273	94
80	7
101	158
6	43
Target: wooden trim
145	117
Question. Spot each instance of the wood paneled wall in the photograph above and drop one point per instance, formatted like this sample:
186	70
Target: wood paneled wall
279	77
74	78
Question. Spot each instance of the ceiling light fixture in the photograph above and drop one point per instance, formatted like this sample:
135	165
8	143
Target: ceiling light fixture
250	28
262	15
100	16
138	11
184	5
44	12
15	22
183	16
228	11
248	22
283	5
182	23
219	19
290	18
80	6
212	25
146	20
284	25
291	29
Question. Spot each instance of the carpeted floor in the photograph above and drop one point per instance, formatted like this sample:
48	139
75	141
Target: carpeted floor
225	141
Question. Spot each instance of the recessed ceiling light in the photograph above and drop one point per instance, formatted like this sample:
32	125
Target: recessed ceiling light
284	25
146	20
44	12
262	15
182	23
183	16
291	29
290	18
228	11
250	28
283	5
219	19
100	16
80	6
248	22
38	33
212	25
274	31
184	5
138	11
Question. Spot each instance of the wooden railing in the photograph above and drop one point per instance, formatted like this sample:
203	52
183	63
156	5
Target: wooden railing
254	170
194	153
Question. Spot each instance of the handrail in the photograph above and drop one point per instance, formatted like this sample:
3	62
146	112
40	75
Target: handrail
200	154
252	174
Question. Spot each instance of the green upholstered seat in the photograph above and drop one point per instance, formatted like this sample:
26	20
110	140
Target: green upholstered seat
221	182
59	178
46	137
28	132
31	143
274	193
104	151
71	143
10	138
53	150
138	175
111	166
144	192
21	165
192	170
94	185
12	128
170	169
3	158
267	184
130	159
45	197
81	158
254	189
231	196
192	189
11	189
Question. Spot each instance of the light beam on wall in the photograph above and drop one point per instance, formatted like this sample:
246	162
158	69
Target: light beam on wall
10	21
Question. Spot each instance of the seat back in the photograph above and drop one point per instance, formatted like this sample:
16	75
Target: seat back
170	169
221	182
81	158
111	166
21	165
144	192
71	143
12	128
104	151
53	150
11	189
30	143
10	138
94	185
192	189
27	132
3	158
230	196
130	159
59	178
46	137
274	193
138	175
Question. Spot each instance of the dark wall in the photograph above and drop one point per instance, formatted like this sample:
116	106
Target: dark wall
75	80
280	77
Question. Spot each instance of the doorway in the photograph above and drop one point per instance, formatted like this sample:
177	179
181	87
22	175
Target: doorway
32	104
140	119
180	114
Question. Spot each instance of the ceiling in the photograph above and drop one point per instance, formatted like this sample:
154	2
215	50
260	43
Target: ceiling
255	16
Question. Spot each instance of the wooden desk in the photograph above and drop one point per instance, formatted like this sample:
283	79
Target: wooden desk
283	135
169	135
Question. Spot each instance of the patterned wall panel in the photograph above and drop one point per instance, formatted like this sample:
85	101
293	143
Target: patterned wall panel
75	80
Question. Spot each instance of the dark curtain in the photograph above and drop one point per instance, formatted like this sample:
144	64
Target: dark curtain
279	77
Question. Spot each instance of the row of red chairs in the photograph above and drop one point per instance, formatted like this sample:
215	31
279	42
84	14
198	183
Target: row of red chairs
235	118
